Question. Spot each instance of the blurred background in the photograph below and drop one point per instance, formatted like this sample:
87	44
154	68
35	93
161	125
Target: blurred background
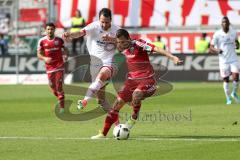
183	27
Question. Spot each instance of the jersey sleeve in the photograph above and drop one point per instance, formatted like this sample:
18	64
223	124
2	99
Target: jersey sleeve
40	45
89	28
145	46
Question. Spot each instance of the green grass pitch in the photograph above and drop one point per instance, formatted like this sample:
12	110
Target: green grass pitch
191	122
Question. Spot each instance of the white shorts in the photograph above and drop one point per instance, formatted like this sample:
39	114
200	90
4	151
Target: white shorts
227	69
95	69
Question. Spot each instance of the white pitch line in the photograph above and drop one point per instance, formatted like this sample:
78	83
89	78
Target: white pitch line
190	139
138	139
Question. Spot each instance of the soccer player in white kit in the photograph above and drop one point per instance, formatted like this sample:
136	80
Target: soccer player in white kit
224	43
101	45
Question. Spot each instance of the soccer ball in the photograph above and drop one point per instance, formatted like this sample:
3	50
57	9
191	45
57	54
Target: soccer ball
121	132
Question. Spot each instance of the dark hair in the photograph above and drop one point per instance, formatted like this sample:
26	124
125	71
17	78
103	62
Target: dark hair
159	37
225	17
50	25
79	12
122	32
105	12
204	35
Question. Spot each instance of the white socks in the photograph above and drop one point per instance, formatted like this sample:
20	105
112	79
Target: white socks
235	86
93	88
226	89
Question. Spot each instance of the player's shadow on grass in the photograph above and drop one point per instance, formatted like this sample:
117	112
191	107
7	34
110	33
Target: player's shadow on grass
81	116
81	64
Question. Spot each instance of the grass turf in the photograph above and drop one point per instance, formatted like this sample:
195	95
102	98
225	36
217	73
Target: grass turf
191	122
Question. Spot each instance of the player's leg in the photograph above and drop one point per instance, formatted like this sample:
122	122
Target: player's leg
123	96
53	78
102	100
225	72
137	96
51	81
227	90
146	88
59	87
234	94
111	118
104	74
235	69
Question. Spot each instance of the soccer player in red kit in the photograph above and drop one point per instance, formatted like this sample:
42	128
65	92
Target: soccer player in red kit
140	82
52	51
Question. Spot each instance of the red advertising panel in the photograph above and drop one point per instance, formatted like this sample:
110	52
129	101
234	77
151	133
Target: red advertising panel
33	14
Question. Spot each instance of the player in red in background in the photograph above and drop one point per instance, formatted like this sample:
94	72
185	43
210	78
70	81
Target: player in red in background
52	51
140	83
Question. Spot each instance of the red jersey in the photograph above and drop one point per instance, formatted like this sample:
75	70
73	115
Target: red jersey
139	66
53	49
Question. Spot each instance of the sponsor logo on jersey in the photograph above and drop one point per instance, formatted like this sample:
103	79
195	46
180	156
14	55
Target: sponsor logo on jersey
51	49
130	56
101	43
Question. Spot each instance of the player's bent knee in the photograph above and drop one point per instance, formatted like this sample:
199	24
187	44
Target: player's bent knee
104	74
119	103
137	96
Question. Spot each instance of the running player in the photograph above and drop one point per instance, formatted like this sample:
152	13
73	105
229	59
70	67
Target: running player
140	83
52	51
100	43
224	43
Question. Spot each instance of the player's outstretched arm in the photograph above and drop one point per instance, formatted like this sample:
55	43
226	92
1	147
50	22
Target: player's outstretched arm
176	60
68	36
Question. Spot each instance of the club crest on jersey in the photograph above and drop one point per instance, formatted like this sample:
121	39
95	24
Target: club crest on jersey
56	43
131	50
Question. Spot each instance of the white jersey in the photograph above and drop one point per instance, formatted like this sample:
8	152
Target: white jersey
96	46
225	42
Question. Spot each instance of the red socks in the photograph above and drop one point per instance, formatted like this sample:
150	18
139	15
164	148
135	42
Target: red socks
61	100
110	119
136	111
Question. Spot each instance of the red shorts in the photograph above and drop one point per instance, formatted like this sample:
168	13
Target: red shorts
56	81
148	86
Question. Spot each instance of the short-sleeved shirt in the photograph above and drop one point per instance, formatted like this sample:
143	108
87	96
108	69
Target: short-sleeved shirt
225	42
53	49
96	46
139	66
